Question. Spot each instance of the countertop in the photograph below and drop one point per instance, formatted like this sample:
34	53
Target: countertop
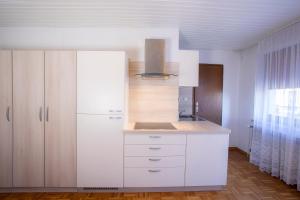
183	127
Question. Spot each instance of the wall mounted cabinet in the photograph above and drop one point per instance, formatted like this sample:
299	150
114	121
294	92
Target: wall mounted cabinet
188	68
5	118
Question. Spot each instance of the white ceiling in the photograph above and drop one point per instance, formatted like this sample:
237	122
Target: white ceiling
203	24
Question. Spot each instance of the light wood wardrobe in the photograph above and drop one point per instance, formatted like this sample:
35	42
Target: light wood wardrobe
42	144
5	118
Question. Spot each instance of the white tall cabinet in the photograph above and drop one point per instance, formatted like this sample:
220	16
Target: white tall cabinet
101	85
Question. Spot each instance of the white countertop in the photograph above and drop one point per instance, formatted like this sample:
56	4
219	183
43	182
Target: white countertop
183	127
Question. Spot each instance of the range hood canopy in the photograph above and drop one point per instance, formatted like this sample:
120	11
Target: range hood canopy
155	59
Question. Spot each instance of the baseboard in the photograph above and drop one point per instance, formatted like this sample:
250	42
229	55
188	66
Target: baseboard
116	190
239	150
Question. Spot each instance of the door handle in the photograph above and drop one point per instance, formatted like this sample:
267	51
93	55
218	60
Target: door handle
41	113
154	148
151	170
7	113
115	117
47	114
154	136
154	159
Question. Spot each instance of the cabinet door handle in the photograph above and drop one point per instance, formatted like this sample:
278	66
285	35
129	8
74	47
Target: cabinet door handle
153	171
154	148
115	117
7	113
47	114
41	113
154	136
154	159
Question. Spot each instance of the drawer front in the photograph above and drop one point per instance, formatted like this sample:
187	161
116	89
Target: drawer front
154	150
173	161
141	138
154	177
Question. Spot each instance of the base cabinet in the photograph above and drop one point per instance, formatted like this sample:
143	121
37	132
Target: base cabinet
206	159
154	177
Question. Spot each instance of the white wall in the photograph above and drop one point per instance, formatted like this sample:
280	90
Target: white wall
129	39
246	96
231	63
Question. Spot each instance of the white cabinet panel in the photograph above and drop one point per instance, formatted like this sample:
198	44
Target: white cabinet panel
155	138
154	177
100	82
99	150
188	68
206	159
154	150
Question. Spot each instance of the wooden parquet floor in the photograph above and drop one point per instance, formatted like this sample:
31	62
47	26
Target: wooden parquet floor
245	182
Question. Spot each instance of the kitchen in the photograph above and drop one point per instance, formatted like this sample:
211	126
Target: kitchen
94	105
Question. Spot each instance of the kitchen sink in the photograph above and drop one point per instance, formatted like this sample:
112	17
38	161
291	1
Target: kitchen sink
154	125
190	118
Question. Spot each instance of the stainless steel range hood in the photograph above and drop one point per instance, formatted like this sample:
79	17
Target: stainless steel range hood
155	59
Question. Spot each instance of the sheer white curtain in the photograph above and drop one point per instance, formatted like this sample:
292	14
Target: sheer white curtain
276	136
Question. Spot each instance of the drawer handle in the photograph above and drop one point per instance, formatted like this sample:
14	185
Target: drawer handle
154	148
153	171
154	136
154	159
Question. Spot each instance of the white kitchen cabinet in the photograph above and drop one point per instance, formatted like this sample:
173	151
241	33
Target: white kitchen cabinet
154	177
206	159
188	68
101	82
99	150
6	118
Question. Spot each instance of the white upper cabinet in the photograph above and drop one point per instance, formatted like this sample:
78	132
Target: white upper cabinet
101	82
188	68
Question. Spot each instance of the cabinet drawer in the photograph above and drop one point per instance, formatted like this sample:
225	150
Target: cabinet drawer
154	177
154	150
155	138
172	161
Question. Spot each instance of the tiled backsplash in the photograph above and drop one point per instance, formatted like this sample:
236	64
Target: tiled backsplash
152	100
186	100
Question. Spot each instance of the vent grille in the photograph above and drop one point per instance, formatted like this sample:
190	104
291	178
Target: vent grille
100	188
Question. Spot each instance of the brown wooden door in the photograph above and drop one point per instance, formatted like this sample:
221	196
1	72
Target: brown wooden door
208	95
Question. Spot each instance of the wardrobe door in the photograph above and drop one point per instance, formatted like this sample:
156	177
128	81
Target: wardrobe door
28	130
5	118
60	116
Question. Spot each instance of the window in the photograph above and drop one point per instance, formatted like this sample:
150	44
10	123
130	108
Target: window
285	102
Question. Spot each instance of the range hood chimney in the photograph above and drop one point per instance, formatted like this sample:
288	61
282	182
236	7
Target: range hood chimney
155	59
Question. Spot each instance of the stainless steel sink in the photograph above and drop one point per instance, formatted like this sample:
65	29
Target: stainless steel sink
190	118
154	125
